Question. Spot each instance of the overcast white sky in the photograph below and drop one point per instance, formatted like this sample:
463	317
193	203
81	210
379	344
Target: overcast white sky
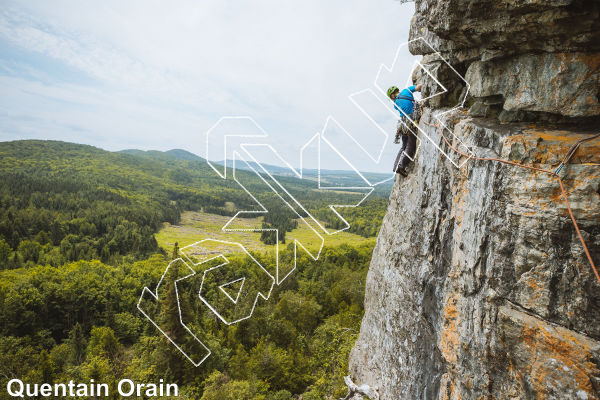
156	74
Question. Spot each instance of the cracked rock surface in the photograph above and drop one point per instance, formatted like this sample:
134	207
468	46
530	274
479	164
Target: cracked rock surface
479	287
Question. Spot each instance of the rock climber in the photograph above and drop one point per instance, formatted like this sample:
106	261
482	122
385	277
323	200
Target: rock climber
405	103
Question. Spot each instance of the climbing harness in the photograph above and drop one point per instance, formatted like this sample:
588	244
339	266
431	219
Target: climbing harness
565	160
405	98
405	123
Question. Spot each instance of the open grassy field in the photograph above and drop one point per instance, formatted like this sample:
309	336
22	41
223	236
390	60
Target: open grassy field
196	226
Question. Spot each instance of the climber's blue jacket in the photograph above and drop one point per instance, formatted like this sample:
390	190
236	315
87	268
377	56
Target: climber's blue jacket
404	101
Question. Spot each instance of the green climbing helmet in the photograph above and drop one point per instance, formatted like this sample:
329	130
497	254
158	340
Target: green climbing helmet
391	91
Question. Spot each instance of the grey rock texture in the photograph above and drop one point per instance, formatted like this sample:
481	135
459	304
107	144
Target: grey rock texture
541	55
485	29
559	83
479	287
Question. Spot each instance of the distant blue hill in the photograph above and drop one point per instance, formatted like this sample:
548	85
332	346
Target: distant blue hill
175	153
335	177
331	177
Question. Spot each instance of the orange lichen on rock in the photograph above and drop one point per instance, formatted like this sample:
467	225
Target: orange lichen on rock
556	357
449	337
447	389
550	146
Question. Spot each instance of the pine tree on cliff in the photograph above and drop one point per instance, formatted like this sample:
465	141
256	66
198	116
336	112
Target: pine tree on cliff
170	321
45	367
77	344
175	251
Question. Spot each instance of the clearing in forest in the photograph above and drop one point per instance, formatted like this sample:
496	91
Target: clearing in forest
195	226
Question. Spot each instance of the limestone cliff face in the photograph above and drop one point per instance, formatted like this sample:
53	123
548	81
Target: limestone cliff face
479	287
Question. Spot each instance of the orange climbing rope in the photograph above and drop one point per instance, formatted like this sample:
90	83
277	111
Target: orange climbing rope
565	161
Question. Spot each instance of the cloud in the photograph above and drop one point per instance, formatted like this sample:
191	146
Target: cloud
158	76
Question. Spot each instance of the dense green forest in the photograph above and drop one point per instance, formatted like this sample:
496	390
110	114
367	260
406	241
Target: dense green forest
62	202
77	247
80	322
364	220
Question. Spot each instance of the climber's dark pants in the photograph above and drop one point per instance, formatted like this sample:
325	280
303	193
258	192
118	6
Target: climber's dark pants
407	151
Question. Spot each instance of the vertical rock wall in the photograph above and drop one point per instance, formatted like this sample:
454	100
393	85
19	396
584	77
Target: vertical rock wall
479	287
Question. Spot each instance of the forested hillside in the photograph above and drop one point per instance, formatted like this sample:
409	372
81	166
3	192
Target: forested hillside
63	202
77	247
